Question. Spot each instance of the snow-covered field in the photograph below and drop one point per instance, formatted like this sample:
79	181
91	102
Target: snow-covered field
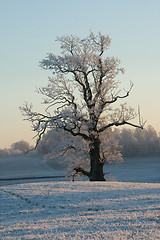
130	170
26	166
82	209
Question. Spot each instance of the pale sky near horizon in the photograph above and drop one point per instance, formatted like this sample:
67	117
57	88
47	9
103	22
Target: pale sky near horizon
28	30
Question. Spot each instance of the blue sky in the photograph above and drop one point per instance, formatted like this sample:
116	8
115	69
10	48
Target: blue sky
28	32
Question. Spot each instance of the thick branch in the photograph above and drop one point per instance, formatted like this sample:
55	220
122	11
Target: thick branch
81	170
88	89
119	124
83	135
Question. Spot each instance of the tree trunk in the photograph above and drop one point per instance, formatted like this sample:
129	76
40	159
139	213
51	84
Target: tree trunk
96	172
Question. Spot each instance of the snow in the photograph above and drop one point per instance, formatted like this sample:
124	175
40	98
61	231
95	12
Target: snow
51	209
144	169
80	210
23	166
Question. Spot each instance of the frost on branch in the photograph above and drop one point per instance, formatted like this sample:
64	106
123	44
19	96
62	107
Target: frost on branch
80	98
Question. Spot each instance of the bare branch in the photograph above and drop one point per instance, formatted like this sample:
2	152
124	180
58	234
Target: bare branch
114	99
141	122
67	149
84	136
38	139
116	124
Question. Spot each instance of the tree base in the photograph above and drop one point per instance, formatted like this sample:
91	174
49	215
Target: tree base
93	175
97	178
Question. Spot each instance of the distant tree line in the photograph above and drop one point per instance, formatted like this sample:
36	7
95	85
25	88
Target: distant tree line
137	142
16	148
131	143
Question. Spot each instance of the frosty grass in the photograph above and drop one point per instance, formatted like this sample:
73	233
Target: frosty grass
80	210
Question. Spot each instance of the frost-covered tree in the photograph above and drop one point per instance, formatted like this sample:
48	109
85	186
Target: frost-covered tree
80	95
16	148
137	143
128	141
20	147
148	141
64	150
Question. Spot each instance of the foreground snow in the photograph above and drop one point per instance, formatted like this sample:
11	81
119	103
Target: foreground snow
80	210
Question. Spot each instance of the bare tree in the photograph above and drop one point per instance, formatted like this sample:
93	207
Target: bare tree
80	95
